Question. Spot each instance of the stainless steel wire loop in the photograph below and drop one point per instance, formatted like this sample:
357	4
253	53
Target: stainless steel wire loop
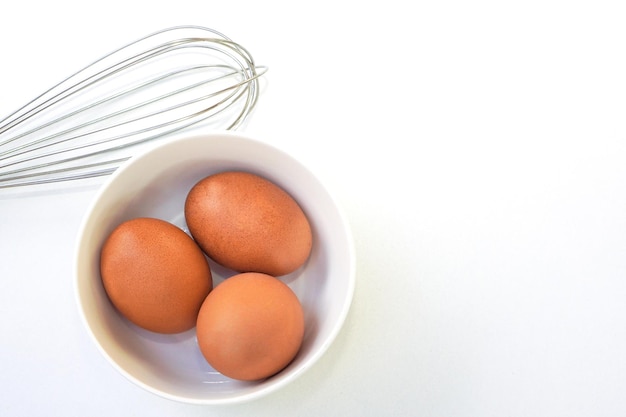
95	119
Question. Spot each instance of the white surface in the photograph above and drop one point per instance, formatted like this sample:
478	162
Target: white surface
155	184
478	148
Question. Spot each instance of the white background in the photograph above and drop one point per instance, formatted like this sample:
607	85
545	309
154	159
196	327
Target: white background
478	148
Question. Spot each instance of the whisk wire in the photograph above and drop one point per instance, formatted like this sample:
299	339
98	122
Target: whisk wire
123	136
9	117
27	147
105	123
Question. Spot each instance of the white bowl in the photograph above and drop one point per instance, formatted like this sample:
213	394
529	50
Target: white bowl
155	184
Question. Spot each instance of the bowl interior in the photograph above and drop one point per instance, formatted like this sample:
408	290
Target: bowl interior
155	184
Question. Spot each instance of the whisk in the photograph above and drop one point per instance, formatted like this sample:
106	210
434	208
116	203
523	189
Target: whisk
91	122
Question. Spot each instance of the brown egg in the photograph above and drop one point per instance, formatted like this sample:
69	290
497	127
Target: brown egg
155	275
250	326
248	224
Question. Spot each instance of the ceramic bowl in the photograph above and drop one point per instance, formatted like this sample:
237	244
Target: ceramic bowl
155	184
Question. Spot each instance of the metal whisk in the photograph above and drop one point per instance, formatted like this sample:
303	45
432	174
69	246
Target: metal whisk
94	120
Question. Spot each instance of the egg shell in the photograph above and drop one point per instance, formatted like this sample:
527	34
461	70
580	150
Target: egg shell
248	224
250	326
155	275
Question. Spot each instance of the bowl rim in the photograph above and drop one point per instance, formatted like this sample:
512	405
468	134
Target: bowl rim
272	387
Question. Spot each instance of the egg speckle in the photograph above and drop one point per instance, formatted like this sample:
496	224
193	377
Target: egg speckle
248	224
250	326
155	275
